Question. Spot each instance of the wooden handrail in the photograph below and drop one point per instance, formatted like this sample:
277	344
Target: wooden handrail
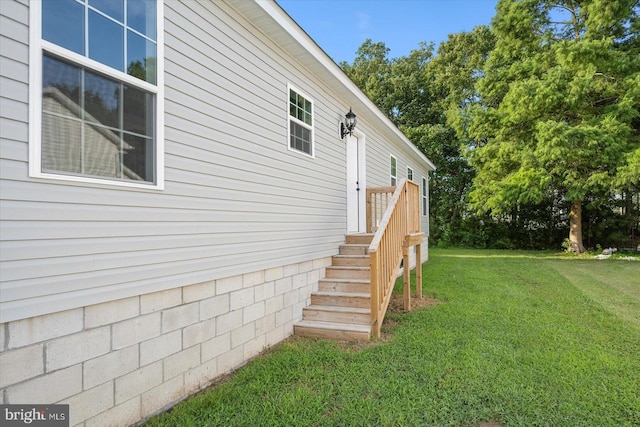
378	200
401	217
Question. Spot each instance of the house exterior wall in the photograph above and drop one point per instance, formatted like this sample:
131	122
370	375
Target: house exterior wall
236	199
119	362
379	152
160	291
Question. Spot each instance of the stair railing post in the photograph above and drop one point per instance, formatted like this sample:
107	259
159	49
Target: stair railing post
375	294
407	208
405	248
418	271
407	277
369	207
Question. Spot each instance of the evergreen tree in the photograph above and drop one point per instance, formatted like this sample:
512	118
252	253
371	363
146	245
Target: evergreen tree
560	106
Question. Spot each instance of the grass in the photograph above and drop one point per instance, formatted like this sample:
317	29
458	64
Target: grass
515	339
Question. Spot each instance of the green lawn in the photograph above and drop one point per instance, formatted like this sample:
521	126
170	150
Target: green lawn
515	338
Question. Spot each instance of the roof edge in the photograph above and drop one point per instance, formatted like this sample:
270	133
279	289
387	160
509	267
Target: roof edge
287	23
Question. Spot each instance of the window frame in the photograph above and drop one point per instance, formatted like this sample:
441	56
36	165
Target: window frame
424	197
410	173
37	49
299	122
391	167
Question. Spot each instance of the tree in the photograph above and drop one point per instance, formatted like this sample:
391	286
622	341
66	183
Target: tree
561	102
371	72
452	75
455	72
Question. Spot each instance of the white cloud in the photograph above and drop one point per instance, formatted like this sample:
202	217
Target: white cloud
363	21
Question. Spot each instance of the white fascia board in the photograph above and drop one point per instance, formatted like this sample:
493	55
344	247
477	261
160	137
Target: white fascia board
278	14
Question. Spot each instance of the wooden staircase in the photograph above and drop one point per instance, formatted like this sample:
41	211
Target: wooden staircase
341	308
353	298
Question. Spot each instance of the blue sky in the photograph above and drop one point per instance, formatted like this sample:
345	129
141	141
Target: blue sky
341	26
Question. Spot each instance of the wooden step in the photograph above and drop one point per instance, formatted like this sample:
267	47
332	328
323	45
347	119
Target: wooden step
347	272
341	308
353	249
361	238
335	314
352	260
341	299
344	285
341	331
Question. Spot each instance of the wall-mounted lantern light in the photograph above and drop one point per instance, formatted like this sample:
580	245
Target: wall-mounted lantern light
349	124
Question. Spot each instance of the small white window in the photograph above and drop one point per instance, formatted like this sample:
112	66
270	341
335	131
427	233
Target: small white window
394	171
300	122
424	197
409	174
96	91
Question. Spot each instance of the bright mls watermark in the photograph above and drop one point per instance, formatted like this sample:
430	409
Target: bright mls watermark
35	415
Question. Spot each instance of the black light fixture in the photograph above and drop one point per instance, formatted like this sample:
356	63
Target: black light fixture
349	124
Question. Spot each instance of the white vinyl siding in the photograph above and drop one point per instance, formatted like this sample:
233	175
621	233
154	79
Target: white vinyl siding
234	200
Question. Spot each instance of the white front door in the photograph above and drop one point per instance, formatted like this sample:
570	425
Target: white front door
356	185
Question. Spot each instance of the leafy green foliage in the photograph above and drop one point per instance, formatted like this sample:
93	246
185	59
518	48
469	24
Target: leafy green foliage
561	105
534	123
371	71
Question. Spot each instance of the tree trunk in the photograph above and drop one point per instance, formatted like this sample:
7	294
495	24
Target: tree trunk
575	226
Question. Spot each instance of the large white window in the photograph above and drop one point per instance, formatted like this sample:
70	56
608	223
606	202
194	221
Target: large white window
96	91
300	122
